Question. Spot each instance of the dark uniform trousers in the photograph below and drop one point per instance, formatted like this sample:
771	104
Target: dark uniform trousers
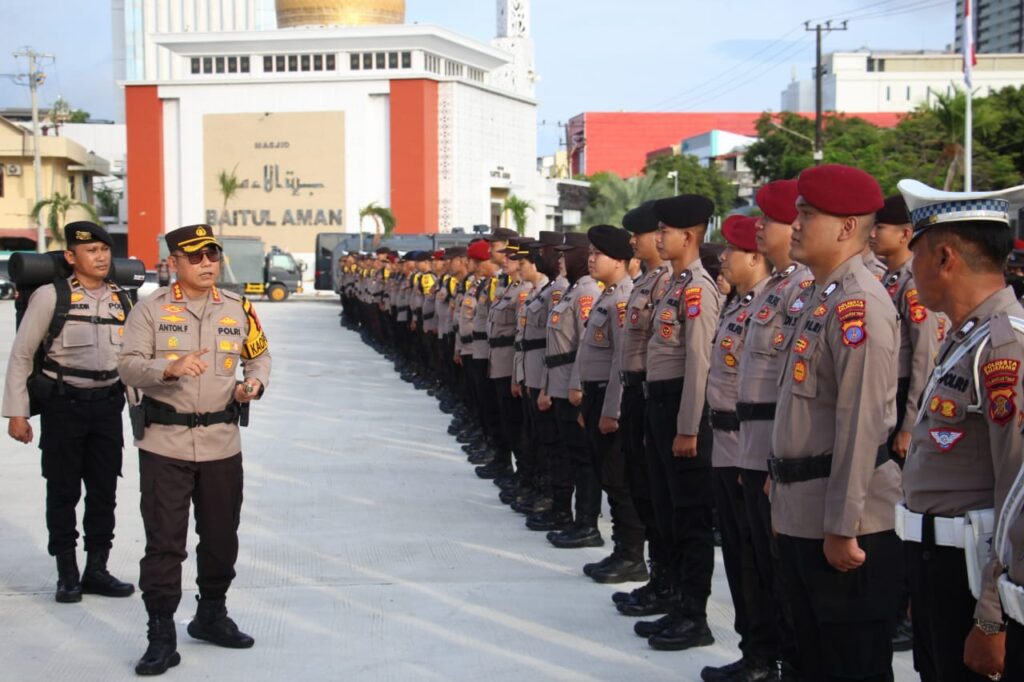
681	495
572	447
754	607
633	428
543	434
766	556
487	405
942	613
608	462
1014	668
844	621
168	486
81	442
510	415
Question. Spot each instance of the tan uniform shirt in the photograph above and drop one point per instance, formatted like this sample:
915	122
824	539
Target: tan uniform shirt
875	265
465	314
502	322
441	309
537	309
921	332
519	360
838	397
481	311
168	325
685	320
81	345
402	300
428	286
599	357
723	377
966	450
647	290
565	328
761	364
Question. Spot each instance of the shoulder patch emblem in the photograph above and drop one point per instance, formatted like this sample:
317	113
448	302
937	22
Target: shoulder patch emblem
693	297
854	333
1001	379
585	304
854	309
620	309
945	439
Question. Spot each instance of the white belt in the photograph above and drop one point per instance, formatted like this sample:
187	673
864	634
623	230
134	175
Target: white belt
949	532
1012	597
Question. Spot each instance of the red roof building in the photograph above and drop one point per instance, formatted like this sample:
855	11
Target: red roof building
619	142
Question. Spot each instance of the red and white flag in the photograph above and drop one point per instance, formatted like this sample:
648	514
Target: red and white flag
970	57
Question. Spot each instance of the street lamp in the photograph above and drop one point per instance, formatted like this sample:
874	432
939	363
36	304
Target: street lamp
675	181
818	154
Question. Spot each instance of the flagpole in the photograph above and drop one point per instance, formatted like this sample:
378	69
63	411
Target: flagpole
969	62
968	139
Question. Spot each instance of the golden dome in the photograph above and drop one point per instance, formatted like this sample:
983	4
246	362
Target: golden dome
339	12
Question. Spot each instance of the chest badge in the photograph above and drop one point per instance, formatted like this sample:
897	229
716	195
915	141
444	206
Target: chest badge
945	439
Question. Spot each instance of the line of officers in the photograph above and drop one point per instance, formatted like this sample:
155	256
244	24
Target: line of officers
849	409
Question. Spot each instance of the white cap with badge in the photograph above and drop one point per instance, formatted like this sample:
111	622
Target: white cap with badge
929	206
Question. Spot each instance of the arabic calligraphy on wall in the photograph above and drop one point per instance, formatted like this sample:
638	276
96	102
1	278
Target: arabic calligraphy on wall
290	170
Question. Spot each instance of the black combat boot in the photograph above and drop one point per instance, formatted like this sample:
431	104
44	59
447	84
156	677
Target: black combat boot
96	579
656	597
69	586
162	652
213	625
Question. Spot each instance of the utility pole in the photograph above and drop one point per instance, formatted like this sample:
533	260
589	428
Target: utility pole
827	27
34	78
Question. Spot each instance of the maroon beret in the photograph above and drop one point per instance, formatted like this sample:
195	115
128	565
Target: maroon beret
739	230
479	250
777	200
840	190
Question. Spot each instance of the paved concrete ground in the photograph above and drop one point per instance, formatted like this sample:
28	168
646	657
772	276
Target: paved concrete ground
369	551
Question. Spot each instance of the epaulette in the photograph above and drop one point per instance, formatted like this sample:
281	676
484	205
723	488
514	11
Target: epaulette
1002	331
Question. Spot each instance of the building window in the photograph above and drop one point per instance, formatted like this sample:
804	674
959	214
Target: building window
908	93
380	60
304	60
1	181
318	62
367	60
243	64
268	64
432	63
279	63
353	61
293	62
392	60
407	60
232	64
888	93
195	65
220	64
331	62
207	64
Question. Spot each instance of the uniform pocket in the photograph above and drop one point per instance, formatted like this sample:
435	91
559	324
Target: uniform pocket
117	335
78	335
173	346
228	351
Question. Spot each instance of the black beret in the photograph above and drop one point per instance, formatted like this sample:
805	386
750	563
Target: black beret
382	250
454	252
502	234
191	238
549	238
611	241
685	210
422	256
894	212
574	240
84	232
641	219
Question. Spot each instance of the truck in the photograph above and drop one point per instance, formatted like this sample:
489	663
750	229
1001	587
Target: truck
248	268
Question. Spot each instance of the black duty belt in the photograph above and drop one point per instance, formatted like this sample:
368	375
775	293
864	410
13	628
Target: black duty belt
162	413
468	338
62	371
403	308
428	316
88	395
752	412
663	389
552	361
593	386
632	378
479	336
801	469
531	344
501	341
724	421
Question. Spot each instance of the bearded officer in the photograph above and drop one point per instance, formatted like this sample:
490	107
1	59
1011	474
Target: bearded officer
182	349
832	479
966	444
81	401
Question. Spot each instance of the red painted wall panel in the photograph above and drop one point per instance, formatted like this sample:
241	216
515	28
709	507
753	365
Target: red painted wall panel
414	193
144	119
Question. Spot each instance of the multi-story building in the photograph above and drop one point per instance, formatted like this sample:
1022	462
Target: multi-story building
899	81
998	26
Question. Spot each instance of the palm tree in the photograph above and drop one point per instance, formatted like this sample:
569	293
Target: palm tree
612	196
59	205
229	185
383	218
519	208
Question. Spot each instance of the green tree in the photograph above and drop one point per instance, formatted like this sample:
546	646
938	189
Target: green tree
611	196
57	208
383	219
519	209
228	184
79	116
693	178
107	200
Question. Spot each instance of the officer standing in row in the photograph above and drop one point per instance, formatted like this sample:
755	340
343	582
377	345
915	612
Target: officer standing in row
966	443
678	359
182	349
80	401
598	365
746	271
833	483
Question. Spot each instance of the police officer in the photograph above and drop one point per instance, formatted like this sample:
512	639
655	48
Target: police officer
599	362
1008	547
655	596
678	359
832	479
746	271
81	400
182	349
966	445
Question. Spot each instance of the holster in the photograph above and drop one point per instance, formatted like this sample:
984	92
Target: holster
40	391
137	416
243	413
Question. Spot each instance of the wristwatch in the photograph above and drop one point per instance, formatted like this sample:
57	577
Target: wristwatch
988	627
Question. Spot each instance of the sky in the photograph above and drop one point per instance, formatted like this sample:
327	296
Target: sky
592	55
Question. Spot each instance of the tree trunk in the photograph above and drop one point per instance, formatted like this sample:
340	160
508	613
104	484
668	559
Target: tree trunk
953	170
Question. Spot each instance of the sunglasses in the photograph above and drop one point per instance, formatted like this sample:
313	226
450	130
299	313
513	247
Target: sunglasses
213	255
